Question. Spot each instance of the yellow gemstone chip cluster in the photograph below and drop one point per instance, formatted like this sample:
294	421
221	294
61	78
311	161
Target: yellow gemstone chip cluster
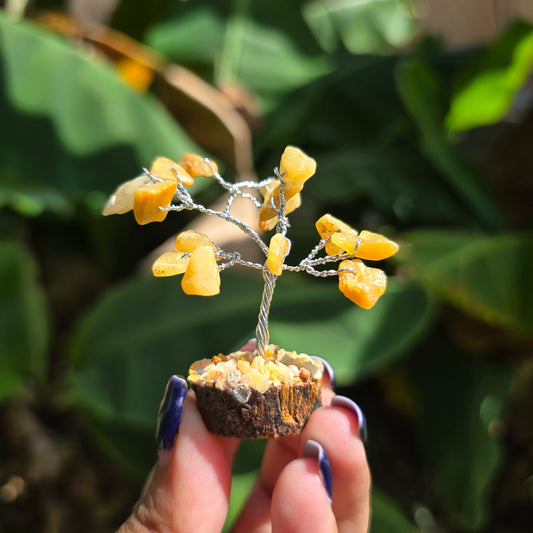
151	196
248	369
194	257
295	169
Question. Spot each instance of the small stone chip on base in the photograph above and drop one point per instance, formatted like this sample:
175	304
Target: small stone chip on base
247	396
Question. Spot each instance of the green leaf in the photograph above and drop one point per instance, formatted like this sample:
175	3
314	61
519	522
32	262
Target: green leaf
386	515
362	26
355	341
147	329
144	331
70	126
460	428
355	105
489	92
391	178
488	276
245	44
421	93
23	318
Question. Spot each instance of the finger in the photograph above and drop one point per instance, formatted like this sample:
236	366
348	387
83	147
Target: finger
279	452
191	483
255	514
337	429
300	501
249	346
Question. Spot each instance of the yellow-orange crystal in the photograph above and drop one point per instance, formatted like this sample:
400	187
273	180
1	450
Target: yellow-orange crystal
296	167
196	165
202	277
171	264
361	284
345	241
149	199
163	168
188	241
375	247
277	251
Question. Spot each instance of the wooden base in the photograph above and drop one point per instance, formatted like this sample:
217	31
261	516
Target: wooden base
246	413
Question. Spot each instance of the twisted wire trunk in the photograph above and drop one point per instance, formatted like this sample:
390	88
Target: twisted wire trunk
262	334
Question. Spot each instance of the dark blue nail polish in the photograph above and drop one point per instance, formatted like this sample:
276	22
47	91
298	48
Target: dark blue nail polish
343	401
316	451
328	369
169	415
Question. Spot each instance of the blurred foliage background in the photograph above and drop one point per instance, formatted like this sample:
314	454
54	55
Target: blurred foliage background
420	117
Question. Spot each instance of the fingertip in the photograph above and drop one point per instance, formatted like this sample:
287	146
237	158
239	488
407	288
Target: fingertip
300	502
328	376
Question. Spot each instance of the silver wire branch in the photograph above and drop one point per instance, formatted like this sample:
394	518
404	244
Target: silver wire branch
187	203
234	258
239	189
262	334
283	222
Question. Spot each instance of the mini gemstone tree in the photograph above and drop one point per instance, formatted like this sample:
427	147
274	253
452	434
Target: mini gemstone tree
163	189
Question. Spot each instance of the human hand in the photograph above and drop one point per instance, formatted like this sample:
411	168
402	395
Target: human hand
315	481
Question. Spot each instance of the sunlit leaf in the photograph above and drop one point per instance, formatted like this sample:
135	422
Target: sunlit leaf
241	46
362	26
70	126
488	94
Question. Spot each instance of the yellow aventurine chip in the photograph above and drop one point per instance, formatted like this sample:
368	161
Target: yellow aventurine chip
122	200
296	167
196	165
149	199
375	247
202	277
188	241
163	168
327	225
361	284
277	251
171	264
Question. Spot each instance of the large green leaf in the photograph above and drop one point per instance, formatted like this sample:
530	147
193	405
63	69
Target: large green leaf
487	95
461	402
421	92
488	276
362	26
23	318
354	105
70	126
147	329
391	178
358	342
246	43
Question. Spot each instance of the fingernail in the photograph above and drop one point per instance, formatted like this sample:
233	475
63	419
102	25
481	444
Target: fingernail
316	451
343	401
169	414
249	346
328	369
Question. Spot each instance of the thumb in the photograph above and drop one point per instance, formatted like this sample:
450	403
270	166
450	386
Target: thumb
190	485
